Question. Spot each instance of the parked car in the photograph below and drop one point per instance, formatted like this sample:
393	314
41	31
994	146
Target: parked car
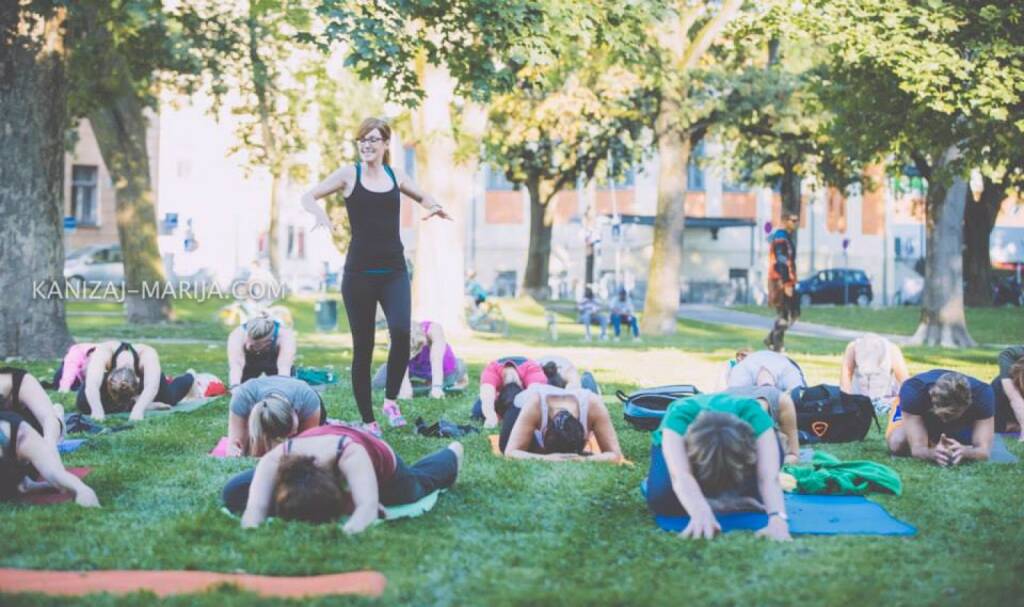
95	264
836	286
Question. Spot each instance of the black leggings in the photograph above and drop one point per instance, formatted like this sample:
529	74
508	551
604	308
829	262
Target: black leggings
409	484
362	292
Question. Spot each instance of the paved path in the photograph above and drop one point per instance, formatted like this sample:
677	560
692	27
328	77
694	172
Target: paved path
718	315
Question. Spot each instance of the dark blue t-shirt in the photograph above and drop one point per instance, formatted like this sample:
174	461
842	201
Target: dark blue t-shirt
914	398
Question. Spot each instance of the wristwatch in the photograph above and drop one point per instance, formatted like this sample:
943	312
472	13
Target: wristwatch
782	515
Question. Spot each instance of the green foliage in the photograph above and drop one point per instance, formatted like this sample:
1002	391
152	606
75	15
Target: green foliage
917	78
558	127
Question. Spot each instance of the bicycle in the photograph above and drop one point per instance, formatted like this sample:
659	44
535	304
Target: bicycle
486	317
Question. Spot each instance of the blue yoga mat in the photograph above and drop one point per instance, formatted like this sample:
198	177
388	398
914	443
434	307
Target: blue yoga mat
1000	454
70	444
812	515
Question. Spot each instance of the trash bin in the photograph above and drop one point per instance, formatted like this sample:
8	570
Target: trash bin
326	315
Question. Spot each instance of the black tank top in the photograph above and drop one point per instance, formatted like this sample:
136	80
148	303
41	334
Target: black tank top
374	218
13	400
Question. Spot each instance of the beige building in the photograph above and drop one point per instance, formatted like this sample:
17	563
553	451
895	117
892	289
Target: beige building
89	192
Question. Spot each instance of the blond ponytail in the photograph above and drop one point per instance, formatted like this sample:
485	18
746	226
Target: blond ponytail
270	422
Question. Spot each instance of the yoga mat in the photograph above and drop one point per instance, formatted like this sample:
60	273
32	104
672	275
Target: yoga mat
70	444
166	583
592	446
812	515
221	450
413	510
1000	453
51	496
185	406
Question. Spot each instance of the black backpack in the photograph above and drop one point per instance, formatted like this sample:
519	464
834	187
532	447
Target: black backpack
644	409
828	415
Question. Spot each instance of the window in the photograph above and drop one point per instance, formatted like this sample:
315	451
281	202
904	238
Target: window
84	204
694	172
496	180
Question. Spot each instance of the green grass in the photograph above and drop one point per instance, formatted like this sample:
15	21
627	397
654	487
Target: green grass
520	533
986	325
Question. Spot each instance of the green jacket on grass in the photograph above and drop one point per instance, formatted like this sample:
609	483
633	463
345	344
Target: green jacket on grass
828	475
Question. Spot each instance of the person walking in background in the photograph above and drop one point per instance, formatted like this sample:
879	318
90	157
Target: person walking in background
375	271
622	312
782	281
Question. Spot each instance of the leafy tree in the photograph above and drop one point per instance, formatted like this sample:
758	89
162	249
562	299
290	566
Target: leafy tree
685	31
439	57
936	83
558	129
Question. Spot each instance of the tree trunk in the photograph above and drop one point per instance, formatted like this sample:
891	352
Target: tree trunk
535	279
790	193
439	269
271	154
273	241
120	129
942	313
979	219
663	279
33	95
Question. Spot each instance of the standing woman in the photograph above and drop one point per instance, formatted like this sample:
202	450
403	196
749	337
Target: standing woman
375	269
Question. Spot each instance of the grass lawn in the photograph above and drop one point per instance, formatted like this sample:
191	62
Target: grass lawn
987	325
517	533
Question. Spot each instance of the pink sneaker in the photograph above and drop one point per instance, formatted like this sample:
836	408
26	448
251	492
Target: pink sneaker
394	414
372	427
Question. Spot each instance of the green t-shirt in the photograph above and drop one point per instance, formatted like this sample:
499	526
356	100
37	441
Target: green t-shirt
684	411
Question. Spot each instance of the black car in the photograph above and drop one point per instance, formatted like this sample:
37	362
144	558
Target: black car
836	286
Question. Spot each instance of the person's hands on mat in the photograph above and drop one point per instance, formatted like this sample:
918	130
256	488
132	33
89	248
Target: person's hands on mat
776	529
702	525
956	451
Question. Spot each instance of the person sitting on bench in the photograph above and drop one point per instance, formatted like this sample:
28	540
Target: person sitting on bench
551	423
431	360
1008	388
590	310
332	471
766	367
943	416
125	377
266	410
874	367
21	393
716	453
23	450
781	407
260	346
508	371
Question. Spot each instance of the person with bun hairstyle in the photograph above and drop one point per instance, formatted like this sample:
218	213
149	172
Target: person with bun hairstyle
375	271
266	410
260	346
124	377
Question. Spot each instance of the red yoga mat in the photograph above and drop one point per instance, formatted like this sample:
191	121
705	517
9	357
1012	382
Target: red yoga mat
52	496
165	583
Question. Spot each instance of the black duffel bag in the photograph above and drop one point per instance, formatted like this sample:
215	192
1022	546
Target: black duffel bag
829	415
644	409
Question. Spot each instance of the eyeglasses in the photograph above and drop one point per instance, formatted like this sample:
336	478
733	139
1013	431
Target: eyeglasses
371	140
